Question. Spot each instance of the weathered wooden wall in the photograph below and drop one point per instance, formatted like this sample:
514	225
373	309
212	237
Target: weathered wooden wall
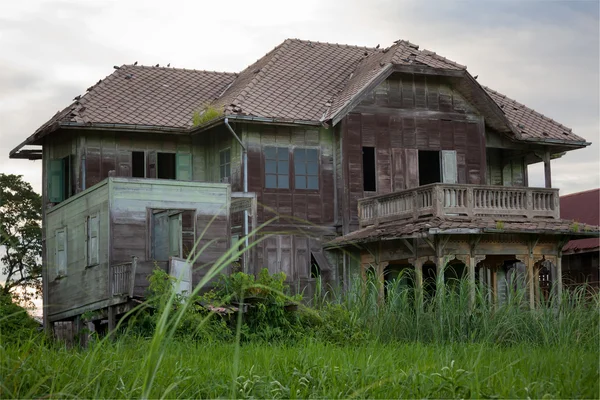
131	203
403	115
82	285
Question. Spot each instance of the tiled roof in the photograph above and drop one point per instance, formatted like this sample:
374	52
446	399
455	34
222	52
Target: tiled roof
451	225
582	207
297	81
530	123
150	96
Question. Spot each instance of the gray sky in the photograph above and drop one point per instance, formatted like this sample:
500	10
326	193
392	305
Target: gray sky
544	54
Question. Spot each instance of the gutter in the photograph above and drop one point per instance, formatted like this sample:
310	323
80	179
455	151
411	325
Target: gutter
245	162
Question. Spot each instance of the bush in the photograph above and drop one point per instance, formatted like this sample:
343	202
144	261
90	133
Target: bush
15	322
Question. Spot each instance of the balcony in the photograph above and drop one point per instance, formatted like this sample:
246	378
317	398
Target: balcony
456	200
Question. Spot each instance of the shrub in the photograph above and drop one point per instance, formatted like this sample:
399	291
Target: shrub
15	322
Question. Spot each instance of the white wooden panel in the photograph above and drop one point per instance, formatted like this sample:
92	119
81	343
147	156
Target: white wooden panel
449	169
182	272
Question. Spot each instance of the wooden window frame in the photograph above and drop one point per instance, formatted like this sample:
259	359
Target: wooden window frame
150	212
58	272
306	174
88	261
276	174
226	165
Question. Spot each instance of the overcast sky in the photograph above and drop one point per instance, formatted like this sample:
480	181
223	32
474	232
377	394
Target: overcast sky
544	54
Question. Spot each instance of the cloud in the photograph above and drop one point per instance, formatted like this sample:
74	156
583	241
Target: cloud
543	54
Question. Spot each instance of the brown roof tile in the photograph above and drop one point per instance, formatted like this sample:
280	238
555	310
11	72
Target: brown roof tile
297	81
582	207
439	225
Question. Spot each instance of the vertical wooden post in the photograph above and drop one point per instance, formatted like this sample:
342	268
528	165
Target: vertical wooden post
472	262
112	319
529	265
547	170
559	284
418	264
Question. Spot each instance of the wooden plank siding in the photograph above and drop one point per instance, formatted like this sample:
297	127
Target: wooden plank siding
82	284
133	201
405	114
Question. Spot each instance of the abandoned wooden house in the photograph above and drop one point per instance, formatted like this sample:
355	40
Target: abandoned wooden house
367	158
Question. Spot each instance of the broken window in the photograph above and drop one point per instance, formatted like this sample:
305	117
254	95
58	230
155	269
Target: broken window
429	167
225	165
277	163
306	169
315	270
166	168
138	164
172	234
59	179
437	166
369	169
60	253
92	235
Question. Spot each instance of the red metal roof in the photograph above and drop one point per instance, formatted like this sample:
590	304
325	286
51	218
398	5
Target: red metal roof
583	207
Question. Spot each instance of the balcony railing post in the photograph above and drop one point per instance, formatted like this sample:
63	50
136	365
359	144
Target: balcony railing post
376	212
529	204
415	211
437	199
470	201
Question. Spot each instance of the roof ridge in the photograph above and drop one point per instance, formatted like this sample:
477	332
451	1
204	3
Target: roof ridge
331	44
442	58
531	110
176	69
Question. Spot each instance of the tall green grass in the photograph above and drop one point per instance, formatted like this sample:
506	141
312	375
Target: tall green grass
346	345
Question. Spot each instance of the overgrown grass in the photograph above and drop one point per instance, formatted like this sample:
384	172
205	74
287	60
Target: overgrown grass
352	345
309	369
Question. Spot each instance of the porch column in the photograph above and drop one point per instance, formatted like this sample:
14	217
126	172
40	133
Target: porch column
531	282
381	279
547	171
559	284
418	264
472	262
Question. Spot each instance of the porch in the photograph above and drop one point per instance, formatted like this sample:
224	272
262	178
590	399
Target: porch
444	199
497	238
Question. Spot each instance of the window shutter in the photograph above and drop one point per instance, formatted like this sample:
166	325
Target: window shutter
160	236
61	252
93	236
124	163
175	235
187	235
56	181
151	166
184	167
449	170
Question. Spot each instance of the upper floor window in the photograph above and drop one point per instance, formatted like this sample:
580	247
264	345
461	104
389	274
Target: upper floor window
277	163
306	169
225	165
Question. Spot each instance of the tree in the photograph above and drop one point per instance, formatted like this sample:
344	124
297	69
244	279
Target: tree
20	238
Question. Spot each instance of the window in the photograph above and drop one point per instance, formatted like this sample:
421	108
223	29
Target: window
92	234
172	234
166	166
429	167
59	179
277	162
369	170
306	169
138	164
436	166
225	165
60	253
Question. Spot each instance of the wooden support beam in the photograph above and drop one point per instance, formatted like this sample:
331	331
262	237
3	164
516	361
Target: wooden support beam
112	319
418	264
472	262
547	169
